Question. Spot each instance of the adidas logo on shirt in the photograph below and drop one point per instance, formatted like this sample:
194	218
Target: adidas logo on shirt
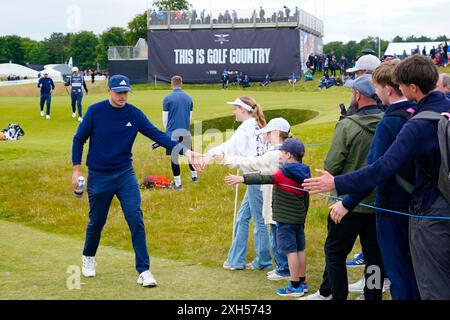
129	124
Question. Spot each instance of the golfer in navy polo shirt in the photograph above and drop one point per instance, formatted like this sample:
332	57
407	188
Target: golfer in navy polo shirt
111	127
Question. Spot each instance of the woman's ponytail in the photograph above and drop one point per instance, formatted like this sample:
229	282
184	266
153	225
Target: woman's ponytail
257	110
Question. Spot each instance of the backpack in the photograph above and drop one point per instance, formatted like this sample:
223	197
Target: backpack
443	133
156	182
13	132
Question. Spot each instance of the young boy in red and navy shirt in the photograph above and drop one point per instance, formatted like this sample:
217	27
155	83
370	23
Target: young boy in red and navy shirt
290	206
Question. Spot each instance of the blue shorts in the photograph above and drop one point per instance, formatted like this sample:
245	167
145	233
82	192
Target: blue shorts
290	237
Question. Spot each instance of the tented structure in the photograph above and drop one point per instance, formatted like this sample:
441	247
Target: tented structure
7	69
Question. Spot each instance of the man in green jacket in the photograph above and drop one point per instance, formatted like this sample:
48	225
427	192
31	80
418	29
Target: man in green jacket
351	143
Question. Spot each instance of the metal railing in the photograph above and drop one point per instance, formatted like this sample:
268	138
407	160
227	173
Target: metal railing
160	20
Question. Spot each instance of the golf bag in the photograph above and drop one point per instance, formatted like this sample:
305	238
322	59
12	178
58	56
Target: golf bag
13	132
156	182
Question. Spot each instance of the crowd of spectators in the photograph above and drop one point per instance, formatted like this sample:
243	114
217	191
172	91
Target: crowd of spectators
283	14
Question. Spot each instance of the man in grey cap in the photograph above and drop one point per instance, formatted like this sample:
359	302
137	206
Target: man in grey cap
364	65
351	142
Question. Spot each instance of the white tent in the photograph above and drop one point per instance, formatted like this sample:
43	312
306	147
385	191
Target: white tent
52	73
7	69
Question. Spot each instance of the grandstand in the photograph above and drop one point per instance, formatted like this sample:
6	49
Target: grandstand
199	45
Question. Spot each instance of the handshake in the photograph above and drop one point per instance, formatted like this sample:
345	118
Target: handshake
199	161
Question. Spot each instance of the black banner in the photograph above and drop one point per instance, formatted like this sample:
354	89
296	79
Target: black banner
202	56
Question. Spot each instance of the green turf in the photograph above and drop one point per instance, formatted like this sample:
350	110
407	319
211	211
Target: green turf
189	232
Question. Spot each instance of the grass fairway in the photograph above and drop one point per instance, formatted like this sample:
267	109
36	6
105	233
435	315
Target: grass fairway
42	224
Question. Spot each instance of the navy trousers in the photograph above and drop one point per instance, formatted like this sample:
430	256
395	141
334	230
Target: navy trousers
46	97
393	241
76	101
102	187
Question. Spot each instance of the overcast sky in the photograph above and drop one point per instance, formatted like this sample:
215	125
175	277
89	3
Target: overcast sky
344	19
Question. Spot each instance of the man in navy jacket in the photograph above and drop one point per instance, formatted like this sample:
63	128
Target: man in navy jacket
429	237
47	86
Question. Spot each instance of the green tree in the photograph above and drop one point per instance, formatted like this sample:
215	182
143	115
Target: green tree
441	38
57	47
137	29
82	49
35	52
11	50
114	36
398	39
171	5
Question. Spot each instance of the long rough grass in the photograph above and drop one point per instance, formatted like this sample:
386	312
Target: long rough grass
192	227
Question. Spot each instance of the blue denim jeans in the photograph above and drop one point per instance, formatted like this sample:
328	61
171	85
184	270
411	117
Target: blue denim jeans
251	207
281	261
102	186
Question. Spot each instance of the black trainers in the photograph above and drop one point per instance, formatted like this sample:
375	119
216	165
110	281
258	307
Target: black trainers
195	179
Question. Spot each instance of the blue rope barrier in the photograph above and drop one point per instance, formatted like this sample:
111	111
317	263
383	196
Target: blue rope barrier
371	207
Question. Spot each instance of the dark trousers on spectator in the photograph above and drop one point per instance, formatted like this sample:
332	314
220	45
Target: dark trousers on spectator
340	240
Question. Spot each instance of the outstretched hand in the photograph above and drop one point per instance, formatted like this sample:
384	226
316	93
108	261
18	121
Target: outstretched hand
232	179
320	184
198	160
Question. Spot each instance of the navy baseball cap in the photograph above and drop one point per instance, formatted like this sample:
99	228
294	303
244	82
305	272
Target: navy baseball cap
119	83
294	147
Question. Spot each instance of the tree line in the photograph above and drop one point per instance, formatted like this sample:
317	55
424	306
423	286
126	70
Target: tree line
86	48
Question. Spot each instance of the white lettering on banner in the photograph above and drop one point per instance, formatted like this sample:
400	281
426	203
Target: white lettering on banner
223	56
217	56
199	56
184	56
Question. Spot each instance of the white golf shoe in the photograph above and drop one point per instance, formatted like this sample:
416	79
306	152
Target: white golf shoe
88	269
42	113
146	279
80	119
74	114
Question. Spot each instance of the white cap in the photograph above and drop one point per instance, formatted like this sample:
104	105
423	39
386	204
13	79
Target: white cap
277	124
74	69
367	62
240	103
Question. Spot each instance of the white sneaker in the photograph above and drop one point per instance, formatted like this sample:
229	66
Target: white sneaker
74	114
316	296
42	113
276	276
358	286
271	272
88	269
47	117
146	279
80	119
